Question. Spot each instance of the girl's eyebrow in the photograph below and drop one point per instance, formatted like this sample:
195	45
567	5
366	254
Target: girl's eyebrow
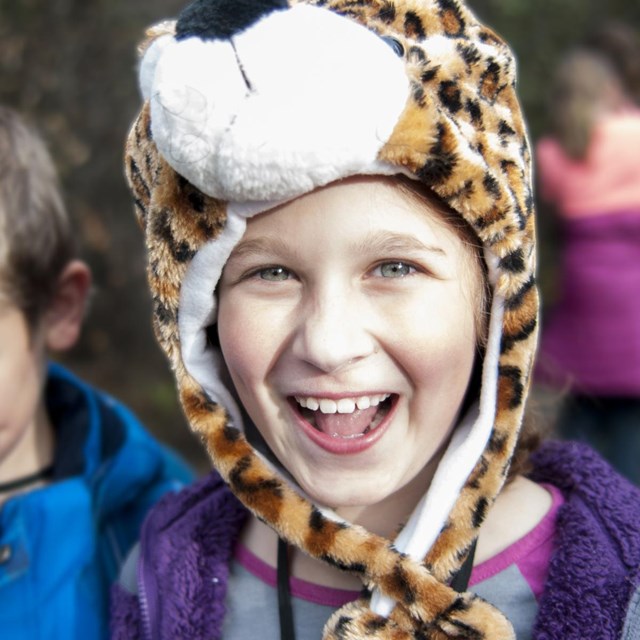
377	242
387	242
266	245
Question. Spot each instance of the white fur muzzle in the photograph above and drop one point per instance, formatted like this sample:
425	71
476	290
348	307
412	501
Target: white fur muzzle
219	118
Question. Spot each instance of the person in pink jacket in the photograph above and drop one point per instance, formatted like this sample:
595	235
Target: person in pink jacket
589	172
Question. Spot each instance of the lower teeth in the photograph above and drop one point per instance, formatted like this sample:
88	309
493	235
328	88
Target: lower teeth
353	436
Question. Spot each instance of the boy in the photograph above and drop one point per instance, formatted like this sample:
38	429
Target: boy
78	472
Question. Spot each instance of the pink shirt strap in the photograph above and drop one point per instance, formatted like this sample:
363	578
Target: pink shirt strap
308	591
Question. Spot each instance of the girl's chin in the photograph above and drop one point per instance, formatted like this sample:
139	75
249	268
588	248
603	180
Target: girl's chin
337	497
381	506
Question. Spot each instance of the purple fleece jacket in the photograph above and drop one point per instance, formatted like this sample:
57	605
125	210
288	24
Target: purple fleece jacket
188	539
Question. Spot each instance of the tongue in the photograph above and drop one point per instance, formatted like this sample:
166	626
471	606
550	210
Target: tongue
345	425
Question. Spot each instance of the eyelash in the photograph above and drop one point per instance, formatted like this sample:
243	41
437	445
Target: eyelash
276	267
411	269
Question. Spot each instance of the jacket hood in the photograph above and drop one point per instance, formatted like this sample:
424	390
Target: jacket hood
101	443
250	104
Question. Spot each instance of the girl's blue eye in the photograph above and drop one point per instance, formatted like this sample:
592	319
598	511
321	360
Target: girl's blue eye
395	269
274	274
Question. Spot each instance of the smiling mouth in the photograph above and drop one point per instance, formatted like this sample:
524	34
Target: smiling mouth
346	418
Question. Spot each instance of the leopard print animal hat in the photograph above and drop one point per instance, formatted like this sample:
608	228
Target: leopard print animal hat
251	103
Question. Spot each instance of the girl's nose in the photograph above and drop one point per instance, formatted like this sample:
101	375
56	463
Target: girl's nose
332	334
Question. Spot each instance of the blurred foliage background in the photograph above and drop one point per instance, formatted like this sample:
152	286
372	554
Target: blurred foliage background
69	65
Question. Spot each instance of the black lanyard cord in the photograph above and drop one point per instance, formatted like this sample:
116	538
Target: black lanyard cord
460	581
285	609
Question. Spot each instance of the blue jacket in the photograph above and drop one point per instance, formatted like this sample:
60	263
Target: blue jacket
62	546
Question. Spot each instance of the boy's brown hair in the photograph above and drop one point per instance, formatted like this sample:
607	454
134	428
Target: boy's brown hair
36	241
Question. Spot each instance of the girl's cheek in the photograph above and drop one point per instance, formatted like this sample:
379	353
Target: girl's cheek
248	333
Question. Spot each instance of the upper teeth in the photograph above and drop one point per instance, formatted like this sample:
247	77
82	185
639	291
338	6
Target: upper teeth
344	405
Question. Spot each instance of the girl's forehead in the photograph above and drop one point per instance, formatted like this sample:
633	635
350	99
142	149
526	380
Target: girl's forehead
352	205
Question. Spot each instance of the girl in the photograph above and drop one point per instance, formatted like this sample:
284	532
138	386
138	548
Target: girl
336	201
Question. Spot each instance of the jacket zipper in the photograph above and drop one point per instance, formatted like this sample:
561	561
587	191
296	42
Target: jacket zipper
143	599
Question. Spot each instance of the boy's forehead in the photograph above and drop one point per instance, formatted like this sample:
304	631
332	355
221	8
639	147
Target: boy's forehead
4	241
7	304
5	295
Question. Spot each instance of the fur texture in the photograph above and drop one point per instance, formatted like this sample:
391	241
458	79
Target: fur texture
460	133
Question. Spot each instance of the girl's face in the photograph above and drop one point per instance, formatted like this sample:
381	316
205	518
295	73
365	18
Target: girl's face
347	322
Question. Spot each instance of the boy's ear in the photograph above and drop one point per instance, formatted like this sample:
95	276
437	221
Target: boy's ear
64	316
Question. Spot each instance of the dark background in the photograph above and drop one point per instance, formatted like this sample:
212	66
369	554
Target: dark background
70	66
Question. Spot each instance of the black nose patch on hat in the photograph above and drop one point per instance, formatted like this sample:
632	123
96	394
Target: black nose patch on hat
222	19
